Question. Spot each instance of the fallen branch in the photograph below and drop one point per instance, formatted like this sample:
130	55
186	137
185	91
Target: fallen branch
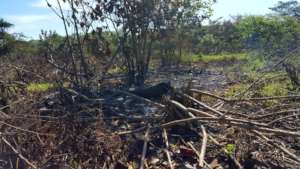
284	112
165	136
17	152
244	99
209	94
203	105
13	103
282	118
25	130
203	147
146	139
198	155
224	150
283	149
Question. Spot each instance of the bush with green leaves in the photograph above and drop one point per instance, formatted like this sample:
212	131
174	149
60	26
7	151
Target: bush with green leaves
220	37
270	34
4	37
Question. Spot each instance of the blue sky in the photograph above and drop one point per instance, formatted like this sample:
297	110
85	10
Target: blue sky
30	16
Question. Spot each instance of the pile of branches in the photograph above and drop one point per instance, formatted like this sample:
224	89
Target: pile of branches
120	130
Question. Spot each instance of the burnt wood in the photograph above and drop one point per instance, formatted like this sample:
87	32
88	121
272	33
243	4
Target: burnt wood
154	92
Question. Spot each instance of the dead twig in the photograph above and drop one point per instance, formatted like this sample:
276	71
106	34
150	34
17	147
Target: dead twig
146	139
209	94
203	147
25	130
230	156
244	99
203	105
283	149
13	103
165	136
198	155
283	112
17	152
282	118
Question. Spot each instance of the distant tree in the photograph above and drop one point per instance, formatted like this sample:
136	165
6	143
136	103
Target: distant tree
139	23
288	8
188	23
182	30
4	25
274	35
221	37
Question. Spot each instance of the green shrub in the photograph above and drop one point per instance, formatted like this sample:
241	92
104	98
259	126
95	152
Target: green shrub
214	58
230	149
39	87
224	57
115	69
234	89
274	89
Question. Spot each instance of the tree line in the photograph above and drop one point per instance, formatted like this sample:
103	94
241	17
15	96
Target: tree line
130	34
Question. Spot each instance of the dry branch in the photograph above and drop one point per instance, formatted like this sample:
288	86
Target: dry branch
244	99
17	152
283	149
203	147
276	114
203	105
146	139
165	136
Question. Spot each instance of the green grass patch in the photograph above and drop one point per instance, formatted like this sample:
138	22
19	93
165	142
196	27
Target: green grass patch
224	57
230	149
44	86
235	89
115	70
274	89
214	58
39	87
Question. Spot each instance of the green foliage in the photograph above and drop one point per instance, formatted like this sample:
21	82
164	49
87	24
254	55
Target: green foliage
274	89
19	48
224	57
4	37
25	48
214	58
115	69
52	39
230	149
250	68
220	37
39	87
255	63
4	25
45	86
288	8
235	89
153	21
270	33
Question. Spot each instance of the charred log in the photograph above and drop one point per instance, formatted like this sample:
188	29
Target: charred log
154	92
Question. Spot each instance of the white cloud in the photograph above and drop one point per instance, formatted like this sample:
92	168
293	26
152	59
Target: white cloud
39	4
31	25
29	19
43	4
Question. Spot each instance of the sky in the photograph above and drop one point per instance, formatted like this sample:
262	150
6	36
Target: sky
31	16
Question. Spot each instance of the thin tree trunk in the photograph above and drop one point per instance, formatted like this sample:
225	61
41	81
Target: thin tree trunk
82	57
70	51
